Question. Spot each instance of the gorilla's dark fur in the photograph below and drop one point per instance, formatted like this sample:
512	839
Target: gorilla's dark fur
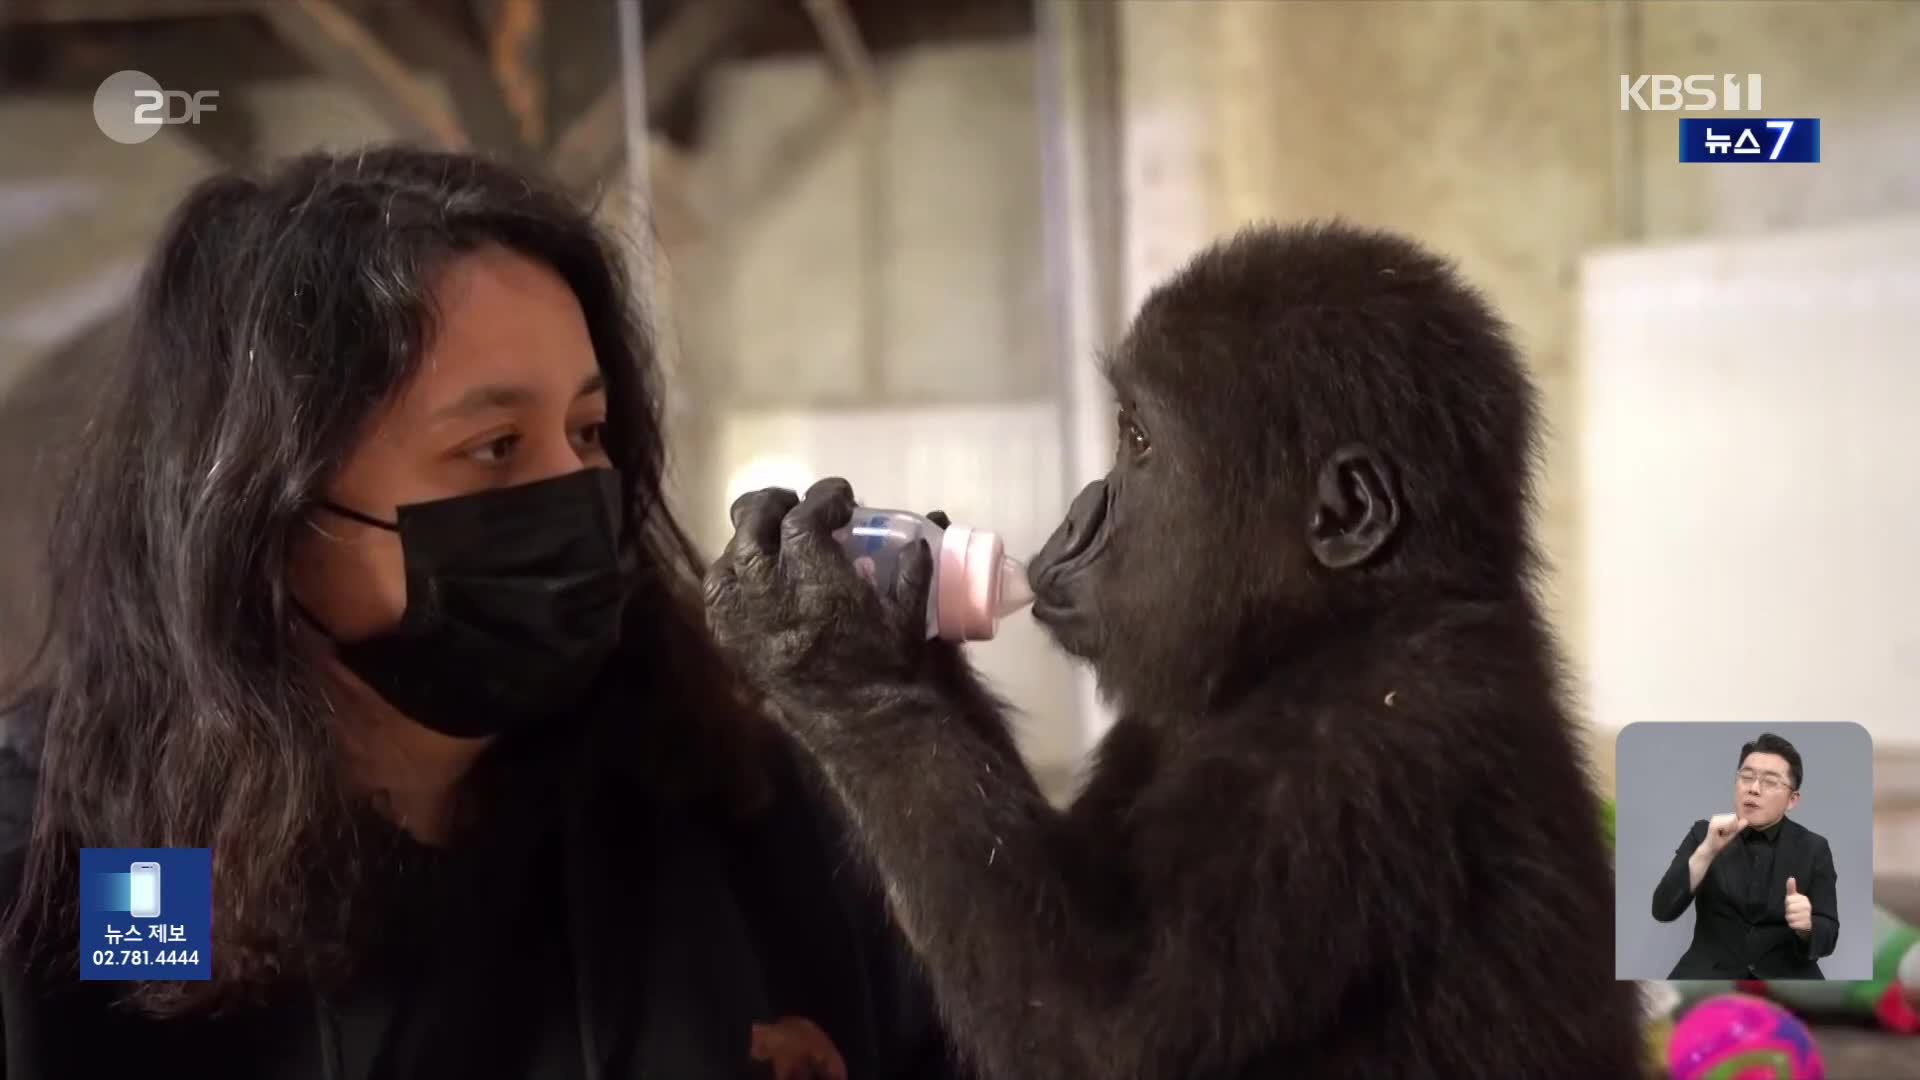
1341	827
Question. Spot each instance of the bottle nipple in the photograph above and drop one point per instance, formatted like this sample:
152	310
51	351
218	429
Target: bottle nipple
977	584
1014	592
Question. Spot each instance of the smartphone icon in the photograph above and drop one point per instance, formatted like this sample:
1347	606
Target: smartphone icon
145	891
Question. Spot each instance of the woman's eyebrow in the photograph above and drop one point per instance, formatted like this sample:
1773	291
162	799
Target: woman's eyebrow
494	396
485	398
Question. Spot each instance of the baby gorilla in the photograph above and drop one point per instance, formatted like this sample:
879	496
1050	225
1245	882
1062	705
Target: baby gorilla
1340	827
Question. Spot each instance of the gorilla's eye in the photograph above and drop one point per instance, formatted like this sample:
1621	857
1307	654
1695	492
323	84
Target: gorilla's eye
1133	437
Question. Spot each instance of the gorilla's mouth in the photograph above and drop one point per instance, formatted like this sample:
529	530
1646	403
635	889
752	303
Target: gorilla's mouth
1086	539
1070	624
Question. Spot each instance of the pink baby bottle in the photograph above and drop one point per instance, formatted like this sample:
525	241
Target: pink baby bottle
975	582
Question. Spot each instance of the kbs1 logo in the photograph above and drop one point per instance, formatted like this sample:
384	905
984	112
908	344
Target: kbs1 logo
1689	93
1724	139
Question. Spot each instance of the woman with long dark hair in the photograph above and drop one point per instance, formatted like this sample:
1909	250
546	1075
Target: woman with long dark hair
365	583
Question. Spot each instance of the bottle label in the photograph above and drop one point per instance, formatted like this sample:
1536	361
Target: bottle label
873	543
874	549
873	535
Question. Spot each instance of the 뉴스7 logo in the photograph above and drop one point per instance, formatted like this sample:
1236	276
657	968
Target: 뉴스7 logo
1694	93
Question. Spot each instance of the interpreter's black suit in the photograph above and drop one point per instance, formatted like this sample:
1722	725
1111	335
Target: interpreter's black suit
1740	922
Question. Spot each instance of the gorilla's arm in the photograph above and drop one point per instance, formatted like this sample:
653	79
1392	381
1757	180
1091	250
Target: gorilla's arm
1096	951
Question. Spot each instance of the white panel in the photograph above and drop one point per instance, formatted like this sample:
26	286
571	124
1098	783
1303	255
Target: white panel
992	466
1752	437
786	323
958	213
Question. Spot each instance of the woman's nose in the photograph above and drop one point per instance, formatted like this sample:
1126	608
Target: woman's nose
560	457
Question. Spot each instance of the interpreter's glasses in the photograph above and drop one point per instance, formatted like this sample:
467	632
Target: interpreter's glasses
1769	783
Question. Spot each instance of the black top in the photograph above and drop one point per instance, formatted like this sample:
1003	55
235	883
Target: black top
631	939
464	962
1740	923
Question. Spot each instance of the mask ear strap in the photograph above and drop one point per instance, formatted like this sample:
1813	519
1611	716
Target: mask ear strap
300	612
355	515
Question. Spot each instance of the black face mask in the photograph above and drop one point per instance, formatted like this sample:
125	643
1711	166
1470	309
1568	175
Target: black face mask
514	603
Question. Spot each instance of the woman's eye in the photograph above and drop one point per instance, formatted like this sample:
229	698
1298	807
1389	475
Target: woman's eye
592	436
494	451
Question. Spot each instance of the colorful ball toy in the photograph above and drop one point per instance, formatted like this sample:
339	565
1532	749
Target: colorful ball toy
1740	1037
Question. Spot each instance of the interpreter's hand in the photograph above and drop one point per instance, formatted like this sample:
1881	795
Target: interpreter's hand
787	604
1720	832
1799	910
797	1049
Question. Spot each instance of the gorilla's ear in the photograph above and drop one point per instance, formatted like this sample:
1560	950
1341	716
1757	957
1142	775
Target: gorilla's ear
1355	508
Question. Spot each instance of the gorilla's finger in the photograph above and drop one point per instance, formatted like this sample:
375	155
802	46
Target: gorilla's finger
807	531
907	595
756	521
747	501
939	517
720	581
718	577
830	484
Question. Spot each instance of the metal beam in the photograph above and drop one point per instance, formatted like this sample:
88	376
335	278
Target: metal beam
480	107
338	43
590	149
516	32
675	215
841	36
25	12
801	150
795	157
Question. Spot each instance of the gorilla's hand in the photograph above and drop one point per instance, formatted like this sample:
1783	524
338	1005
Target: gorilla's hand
785	601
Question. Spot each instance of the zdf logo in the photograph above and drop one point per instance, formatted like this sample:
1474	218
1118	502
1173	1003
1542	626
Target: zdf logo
130	106
1693	93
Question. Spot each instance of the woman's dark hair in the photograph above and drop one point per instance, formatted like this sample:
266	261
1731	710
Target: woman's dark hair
178	706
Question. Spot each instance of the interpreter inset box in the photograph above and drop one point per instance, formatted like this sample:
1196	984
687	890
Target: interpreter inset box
1743	851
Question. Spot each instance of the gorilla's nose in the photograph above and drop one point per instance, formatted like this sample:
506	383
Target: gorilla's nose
1073	538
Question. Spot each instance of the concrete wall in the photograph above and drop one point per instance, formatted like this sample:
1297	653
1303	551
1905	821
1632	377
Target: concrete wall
1855	64
883	268
903	238
860	257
